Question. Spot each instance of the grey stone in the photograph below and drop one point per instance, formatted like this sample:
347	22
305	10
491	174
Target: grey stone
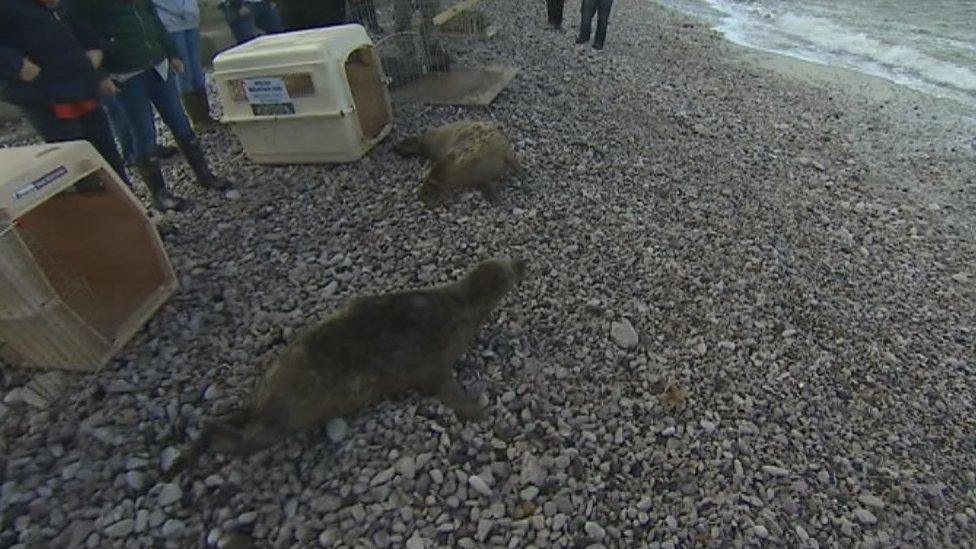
337	429
864	516
173	529
595	531
121	528
871	501
624	334
170	494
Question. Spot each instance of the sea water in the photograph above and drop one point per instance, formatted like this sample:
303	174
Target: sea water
926	45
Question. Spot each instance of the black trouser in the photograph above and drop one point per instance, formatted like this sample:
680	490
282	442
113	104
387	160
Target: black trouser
602	9
555	8
92	127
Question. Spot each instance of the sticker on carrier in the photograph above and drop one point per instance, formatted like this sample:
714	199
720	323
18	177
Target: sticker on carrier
268	96
40	183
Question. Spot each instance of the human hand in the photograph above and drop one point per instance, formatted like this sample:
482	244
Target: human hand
178	66
96	57
108	87
29	71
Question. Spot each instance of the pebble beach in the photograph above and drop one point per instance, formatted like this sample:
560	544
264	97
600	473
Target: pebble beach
749	321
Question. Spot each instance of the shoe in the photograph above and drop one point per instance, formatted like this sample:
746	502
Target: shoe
582	39
598	45
201	169
162	199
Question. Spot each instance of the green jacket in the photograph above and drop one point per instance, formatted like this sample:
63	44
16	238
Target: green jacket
132	35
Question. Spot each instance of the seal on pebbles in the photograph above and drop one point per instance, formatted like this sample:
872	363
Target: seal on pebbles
465	156
375	348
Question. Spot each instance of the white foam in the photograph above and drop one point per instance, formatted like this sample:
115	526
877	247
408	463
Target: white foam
837	39
803	30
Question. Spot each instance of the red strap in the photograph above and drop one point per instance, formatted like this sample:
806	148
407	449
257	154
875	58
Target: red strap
77	109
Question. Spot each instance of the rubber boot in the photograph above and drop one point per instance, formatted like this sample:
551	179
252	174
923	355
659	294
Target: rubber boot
204	101
197	111
165	151
148	169
201	168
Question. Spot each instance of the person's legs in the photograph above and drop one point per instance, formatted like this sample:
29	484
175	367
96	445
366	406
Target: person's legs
135	97
587	10
602	20
96	129
555	11
120	126
163	95
241	27
166	99
192	82
185	80
266	17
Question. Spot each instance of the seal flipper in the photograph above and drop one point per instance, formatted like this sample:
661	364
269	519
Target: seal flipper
223	435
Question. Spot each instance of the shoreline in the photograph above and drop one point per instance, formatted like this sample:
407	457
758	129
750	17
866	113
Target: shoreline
796	263
849	79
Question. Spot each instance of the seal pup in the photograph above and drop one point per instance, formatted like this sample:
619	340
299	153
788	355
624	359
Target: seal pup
376	347
465	156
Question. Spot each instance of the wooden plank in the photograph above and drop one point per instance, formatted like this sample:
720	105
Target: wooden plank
469	86
454	11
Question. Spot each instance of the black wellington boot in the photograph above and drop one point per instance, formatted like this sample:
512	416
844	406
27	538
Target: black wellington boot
198	113
148	169
165	151
201	169
203	100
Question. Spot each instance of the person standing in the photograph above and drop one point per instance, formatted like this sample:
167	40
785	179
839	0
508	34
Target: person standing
245	17
602	10
182	20
141	58
555	9
49	69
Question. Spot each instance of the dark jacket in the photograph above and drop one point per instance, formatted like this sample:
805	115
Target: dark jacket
54	42
134	37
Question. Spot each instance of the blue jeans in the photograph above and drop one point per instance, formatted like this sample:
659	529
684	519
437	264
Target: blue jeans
188	44
139	95
120	126
264	16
